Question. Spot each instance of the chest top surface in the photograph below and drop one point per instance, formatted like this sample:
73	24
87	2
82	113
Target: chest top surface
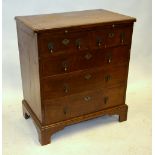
69	19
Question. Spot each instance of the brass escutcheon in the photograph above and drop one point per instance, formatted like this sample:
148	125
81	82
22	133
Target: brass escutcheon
111	34
88	56
65	42
87	98
88	76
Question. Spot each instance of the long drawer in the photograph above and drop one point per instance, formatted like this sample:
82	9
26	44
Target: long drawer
83	103
67	84
66	63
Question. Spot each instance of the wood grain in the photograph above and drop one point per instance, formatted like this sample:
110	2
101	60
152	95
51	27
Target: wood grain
76	18
30	69
54	65
76	104
45	131
88	40
76	82
74	67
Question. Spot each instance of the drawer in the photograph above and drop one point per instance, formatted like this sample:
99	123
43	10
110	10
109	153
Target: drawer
66	63
111	37
68	84
50	45
82	103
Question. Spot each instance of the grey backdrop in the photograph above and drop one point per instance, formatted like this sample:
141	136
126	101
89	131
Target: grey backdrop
99	136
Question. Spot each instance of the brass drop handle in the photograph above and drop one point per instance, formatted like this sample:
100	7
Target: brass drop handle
108	57
66	88
99	44
87	98
109	60
65	68
78	43
107	78
122	37
88	56
65	65
50	47
99	41
106	99
87	76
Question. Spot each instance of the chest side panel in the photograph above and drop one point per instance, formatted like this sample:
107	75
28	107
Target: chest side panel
28	52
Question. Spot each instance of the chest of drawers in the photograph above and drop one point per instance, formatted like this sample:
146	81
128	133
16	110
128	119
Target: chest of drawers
74	67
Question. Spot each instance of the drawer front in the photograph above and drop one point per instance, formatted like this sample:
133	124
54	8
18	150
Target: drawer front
111	37
66	63
83	103
58	86
50	45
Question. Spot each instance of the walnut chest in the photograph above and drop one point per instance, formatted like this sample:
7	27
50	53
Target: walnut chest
74	67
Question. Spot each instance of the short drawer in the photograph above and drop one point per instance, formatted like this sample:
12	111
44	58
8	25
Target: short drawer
66	63
50	45
82	103
68	84
111	37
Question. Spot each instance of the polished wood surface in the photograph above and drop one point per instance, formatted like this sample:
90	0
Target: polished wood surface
45	131
30	69
84	60
82	104
76	18
64	85
73	69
